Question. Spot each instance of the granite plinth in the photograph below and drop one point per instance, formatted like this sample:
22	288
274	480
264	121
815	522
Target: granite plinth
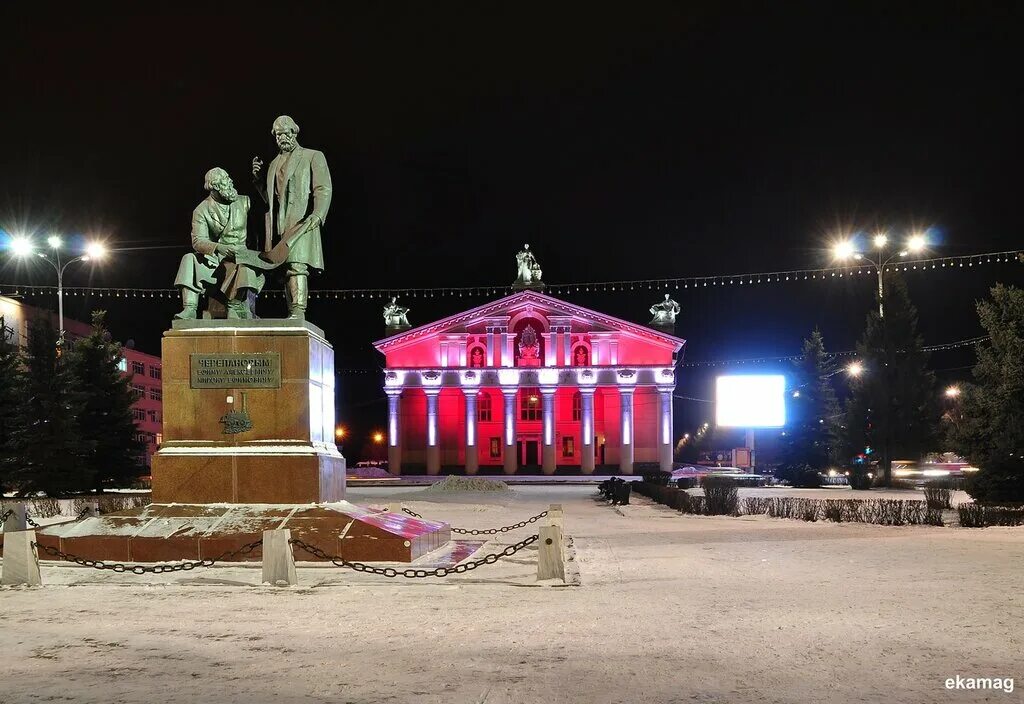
284	453
169	532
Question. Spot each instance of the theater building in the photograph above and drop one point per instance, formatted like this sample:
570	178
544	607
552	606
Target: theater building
529	381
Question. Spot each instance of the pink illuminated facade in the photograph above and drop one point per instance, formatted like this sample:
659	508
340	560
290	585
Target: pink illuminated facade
529	381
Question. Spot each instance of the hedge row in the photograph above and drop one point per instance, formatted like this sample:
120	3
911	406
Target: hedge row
721	502
979	516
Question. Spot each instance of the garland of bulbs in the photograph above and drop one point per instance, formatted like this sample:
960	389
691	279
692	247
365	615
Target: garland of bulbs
966	261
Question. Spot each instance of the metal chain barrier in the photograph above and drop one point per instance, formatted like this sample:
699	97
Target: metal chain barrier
414	573
143	569
5	515
28	519
486	531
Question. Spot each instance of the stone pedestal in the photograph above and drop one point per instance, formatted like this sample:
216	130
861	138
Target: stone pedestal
248	415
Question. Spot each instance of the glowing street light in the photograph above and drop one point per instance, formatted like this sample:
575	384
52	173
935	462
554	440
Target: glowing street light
952	391
855	369
23	247
378	437
340	432
845	249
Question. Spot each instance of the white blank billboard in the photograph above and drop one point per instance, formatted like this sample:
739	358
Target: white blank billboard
750	401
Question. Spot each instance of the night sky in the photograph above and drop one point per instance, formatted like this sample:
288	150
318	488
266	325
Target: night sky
642	141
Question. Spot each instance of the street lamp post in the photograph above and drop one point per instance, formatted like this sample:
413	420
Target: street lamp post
880	259
24	247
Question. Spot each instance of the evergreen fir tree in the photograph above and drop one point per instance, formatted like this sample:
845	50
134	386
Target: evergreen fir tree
114	455
47	445
809	445
990	431
893	408
10	402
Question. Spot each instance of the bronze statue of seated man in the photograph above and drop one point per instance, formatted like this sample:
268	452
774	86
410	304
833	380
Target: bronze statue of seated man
221	265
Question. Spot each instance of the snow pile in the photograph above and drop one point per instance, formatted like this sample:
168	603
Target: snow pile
454	483
368	472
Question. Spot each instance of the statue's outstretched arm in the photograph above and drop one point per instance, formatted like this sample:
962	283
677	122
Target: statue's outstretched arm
259	182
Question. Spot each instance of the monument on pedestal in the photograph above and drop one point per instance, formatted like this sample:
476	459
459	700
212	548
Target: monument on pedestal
248	428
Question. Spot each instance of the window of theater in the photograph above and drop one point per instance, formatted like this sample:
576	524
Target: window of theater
577	406
529	404
483	408
568	446
580	356
495	448
138	368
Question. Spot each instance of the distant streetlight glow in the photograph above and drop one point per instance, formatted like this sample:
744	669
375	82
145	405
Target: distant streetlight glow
23	247
855	369
378	437
880	257
952	391
340	432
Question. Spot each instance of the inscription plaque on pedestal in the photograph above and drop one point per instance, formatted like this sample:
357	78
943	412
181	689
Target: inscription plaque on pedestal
248	415
251	370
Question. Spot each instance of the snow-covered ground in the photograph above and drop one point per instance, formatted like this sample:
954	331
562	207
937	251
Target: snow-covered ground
671	608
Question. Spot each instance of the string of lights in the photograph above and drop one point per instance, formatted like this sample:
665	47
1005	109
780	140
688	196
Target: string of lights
956	263
969	342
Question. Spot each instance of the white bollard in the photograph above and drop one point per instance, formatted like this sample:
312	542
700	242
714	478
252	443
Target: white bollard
21	561
555	515
94	509
278	560
550	558
18	520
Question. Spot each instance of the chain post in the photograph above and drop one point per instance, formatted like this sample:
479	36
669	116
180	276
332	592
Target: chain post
278	559
15	518
550	558
21	561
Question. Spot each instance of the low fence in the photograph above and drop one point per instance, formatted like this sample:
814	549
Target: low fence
21	554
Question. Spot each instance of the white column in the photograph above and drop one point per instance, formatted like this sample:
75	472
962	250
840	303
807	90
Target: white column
665	429
587	430
548	441
433	441
507	357
491	335
550	350
626	429
394	431
511	458
472	456
613	352
566	347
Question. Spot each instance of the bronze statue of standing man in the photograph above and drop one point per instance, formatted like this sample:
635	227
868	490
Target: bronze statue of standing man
298	195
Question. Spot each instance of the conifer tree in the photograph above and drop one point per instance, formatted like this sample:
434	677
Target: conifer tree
893	409
10	402
810	443
114	454
47	446
990	431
